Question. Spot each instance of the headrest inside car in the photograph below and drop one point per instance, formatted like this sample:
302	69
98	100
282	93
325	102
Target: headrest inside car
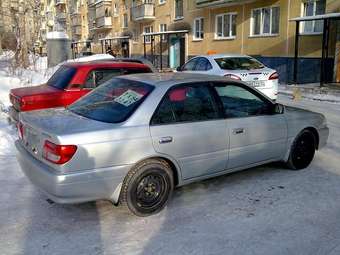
177	95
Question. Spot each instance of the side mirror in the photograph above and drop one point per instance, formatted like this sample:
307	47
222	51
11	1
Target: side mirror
178	69
279	108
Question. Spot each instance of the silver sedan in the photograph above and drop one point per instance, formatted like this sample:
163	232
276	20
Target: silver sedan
135	138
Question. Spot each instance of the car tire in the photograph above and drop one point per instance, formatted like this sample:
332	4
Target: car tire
302	151
147	187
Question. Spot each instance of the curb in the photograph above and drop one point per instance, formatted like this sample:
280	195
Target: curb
317	96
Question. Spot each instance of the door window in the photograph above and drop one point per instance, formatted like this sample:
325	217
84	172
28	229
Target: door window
240	102
203	64
190	66
97	77
188	103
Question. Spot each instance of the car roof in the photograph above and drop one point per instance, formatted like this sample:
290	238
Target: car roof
107	63
158	79
228	55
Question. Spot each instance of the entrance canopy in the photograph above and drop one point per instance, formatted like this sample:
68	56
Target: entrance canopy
325	40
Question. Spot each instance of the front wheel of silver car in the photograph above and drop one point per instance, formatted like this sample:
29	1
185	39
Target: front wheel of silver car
302	151
147	187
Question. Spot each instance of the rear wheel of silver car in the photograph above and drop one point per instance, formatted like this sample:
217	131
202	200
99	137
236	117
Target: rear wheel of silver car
147	187
302	151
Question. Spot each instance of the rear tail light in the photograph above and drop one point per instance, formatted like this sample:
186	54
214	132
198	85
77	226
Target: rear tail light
274	76
232	76
58	154
20	127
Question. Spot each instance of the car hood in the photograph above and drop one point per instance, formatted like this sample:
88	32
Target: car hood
34	90
60	121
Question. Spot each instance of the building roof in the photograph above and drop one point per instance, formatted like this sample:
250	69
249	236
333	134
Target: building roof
318	17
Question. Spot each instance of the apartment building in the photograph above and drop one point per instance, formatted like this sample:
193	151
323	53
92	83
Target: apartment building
177	30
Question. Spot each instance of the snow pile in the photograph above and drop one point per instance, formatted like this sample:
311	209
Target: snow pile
93	58
7	136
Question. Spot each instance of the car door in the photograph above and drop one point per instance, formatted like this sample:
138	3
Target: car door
188	127
256	133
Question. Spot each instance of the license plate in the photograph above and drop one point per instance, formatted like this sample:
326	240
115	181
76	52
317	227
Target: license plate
256	83
32	139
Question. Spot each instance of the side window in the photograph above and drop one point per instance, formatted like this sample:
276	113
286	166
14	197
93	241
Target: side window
203	64
97	77
187	103
190	66
239	102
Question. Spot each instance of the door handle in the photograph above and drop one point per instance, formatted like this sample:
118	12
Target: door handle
167	139
238	131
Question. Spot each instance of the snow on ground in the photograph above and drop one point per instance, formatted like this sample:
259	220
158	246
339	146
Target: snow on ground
264	210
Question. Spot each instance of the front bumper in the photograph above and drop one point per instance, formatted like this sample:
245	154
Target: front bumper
74	187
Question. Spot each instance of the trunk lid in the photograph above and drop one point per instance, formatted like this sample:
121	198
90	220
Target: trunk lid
254	77
34	90
58	126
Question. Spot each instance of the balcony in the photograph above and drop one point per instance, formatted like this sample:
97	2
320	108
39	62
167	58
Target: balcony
217	3
61	16
58	2
76	19
143	12
76	30
103	22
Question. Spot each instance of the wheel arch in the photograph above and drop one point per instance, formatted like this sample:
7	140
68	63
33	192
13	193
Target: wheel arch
175	168
315	132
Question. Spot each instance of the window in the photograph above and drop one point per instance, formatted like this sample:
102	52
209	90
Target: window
241	63
198	29
135	35
312	8
125	21
190	66
113	102
239	102
186	104
148	30
163	28
265	21
115	9
98	77
203	64
178	9
62	77
225	26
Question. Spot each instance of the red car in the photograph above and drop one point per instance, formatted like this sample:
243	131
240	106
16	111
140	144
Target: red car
70	82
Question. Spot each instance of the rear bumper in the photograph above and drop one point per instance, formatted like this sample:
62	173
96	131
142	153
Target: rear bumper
323	137
75	187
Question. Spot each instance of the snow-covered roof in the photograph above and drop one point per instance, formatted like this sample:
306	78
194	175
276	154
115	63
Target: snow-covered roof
318	17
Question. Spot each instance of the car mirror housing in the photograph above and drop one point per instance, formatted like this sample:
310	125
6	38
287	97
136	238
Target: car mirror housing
279	108
178	69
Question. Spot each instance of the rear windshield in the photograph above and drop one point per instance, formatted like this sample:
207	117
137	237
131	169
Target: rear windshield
112	102
62	77
238	63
